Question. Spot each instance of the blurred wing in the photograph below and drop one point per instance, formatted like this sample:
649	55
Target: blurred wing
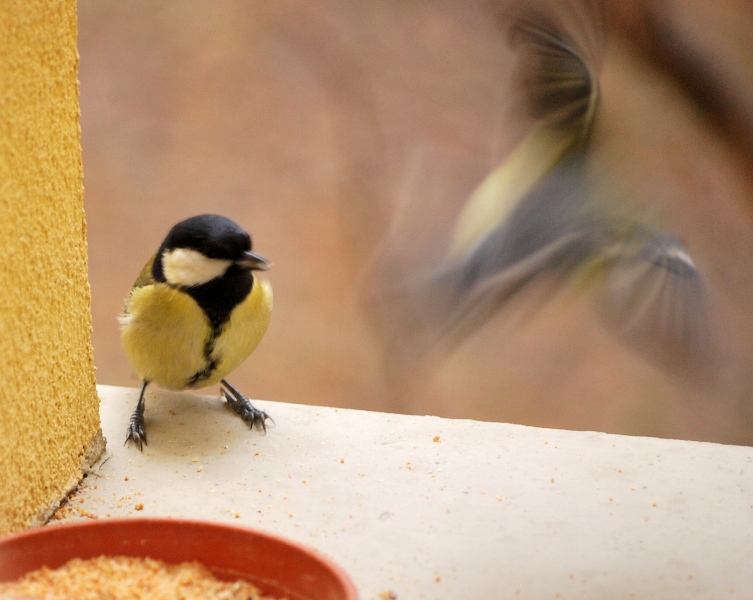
656	301
559	48
558	75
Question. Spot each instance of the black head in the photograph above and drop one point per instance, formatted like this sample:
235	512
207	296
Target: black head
203	248
210	258
214	236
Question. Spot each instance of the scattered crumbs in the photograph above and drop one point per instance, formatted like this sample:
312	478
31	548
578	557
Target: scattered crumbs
632	488
551	480
256	454
436	438
195	459
438	579
342	460
200	469
171	411
139	506
389	595
125	478
290	515
653	504
408	465
546	442
690	577
229	431
611	499
86	514
499	498
303	481
572	575
237	515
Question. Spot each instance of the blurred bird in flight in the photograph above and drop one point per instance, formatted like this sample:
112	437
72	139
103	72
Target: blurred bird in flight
549	217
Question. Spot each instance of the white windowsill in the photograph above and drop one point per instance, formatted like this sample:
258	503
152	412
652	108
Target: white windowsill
443	509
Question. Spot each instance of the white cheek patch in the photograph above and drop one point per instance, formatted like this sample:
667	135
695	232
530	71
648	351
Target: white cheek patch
186	267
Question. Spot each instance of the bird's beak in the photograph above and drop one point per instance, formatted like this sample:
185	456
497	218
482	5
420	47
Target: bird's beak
253	262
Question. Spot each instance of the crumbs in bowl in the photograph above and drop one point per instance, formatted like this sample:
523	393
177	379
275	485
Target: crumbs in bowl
128	578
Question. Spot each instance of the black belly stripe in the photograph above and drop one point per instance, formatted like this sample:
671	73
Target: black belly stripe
220	296
217	300
212	362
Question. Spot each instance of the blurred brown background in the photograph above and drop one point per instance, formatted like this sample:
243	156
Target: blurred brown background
325	126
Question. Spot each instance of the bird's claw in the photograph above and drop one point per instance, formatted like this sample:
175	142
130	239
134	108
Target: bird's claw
247	411
136	432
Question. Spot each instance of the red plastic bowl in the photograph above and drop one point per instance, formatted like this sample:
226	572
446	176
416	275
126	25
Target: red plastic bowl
277	567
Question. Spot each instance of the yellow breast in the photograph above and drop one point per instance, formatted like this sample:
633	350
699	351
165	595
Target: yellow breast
242	334
165	334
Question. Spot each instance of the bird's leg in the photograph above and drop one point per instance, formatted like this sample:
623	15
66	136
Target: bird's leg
136	430
241	405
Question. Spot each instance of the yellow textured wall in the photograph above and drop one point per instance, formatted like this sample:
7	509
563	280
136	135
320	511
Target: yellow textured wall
48	401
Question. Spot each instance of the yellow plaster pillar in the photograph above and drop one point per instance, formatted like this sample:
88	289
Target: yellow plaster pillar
49	417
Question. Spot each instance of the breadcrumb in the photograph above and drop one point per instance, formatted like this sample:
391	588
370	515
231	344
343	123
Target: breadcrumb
128	578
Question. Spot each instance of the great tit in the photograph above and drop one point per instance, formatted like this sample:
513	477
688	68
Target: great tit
546	215
195	313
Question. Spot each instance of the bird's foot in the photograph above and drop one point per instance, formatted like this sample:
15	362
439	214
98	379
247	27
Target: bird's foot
136	429
243	407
